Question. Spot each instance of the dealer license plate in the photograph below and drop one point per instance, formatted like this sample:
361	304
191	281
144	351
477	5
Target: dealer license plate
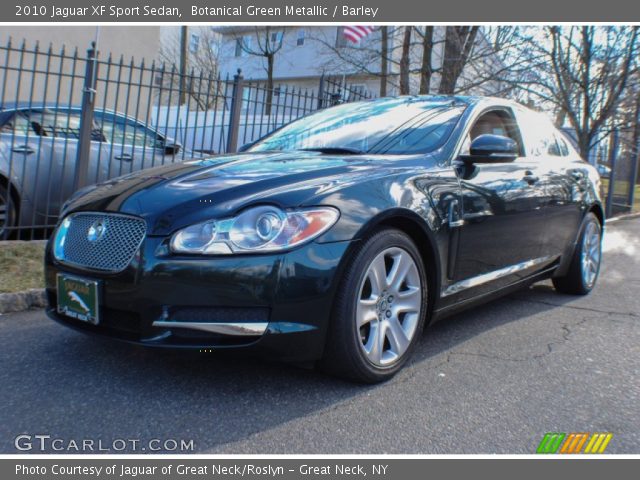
78	298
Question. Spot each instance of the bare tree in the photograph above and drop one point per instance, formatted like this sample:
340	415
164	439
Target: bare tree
426	68
197	75
458	45
582	72
375	56
384	60
269	41
479	69
405	61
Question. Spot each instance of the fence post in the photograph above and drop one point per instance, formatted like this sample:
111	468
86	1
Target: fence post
236	109
86	120
635	153
613	149
321	92
633	179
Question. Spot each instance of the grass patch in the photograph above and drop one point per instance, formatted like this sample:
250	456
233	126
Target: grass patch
21	266
621	188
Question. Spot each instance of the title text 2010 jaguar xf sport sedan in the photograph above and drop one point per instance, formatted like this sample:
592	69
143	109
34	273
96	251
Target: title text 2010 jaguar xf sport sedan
335	239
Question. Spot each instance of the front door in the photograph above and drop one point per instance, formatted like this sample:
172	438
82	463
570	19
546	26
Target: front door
501	234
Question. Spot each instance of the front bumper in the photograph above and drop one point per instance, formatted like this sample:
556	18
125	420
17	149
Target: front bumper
274	304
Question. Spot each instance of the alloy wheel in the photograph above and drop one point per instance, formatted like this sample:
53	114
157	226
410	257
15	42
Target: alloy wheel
591	254
389	306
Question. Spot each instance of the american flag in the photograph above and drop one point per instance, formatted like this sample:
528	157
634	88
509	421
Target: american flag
355	33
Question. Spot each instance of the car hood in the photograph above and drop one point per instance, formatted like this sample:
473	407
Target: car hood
176	195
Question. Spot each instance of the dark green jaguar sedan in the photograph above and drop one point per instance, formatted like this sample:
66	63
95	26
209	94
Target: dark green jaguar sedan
334	240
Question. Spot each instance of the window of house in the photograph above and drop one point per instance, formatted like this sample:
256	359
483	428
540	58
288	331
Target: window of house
194	43
242	44
276	37
300	38
214	47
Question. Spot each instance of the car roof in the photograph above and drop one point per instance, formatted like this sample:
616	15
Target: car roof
468	100
24	105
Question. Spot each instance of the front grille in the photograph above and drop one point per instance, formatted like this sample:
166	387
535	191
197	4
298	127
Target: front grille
99	241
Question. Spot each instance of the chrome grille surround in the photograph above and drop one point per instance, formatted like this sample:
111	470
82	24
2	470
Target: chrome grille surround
99	241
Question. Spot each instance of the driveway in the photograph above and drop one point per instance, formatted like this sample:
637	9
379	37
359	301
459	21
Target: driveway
491	380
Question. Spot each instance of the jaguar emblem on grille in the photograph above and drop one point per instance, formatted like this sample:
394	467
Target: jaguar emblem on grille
96	231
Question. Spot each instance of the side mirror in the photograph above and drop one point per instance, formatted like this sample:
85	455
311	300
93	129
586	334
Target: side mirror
171	147
491	149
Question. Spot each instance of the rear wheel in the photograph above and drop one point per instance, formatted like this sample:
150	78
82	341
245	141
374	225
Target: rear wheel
585	264
379	310
7	213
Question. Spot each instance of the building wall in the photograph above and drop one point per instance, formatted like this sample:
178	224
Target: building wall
295	63
140	42
42	79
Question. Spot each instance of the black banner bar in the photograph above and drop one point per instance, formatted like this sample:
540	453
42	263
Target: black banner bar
289	11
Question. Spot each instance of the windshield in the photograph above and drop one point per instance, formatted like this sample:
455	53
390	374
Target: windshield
388	126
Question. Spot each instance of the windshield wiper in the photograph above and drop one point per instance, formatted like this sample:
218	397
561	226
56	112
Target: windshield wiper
336	150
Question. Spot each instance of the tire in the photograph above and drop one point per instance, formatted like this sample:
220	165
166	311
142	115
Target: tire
585	263
379	311
7	213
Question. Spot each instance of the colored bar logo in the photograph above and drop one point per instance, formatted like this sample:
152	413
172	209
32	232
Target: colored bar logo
554	442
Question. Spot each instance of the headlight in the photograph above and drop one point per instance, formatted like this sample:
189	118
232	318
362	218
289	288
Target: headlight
259	229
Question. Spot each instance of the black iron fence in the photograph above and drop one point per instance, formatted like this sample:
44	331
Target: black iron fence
620	172
70	119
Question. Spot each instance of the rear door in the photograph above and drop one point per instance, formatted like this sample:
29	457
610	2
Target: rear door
502	211
129	145
562	179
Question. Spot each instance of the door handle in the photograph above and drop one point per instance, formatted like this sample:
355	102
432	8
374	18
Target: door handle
125	157
23	149
530	177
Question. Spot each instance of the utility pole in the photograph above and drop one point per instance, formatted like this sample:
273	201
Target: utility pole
384	68
183	63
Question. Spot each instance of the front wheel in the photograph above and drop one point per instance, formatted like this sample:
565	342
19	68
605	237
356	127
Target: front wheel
585	264
380	309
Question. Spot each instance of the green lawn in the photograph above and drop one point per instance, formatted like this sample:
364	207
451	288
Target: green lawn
21	266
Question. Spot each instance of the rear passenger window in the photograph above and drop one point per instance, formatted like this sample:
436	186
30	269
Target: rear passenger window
540	136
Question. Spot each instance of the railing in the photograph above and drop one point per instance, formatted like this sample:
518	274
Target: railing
70	119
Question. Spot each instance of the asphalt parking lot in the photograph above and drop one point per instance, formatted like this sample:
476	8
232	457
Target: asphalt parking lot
491	380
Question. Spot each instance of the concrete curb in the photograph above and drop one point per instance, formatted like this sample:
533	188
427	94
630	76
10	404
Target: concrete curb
627	216
20	301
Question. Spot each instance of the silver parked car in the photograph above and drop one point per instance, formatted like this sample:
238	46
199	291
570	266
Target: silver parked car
38	150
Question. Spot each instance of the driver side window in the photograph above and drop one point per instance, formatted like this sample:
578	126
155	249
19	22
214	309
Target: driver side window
497	122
